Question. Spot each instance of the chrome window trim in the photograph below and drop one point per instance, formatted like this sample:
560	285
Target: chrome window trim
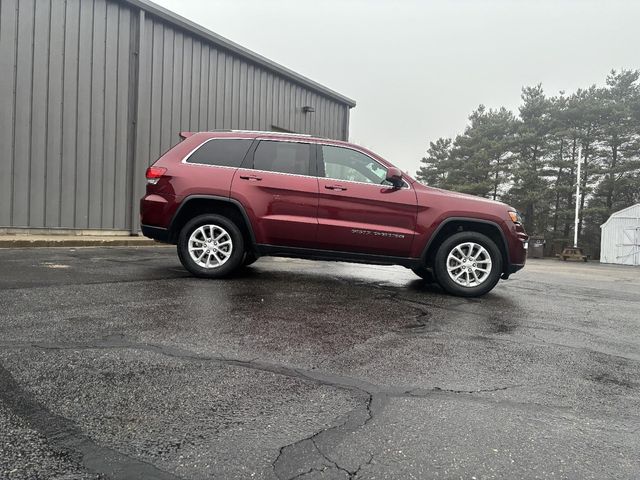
407	185
379	185
279	173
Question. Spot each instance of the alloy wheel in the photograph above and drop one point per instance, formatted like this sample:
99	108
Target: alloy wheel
210	246
469	264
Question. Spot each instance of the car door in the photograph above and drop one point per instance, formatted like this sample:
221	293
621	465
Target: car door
278	187
358	210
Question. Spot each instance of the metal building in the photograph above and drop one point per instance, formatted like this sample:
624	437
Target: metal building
92	91
620	237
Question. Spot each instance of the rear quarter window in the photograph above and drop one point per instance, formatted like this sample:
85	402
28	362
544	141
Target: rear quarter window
223	152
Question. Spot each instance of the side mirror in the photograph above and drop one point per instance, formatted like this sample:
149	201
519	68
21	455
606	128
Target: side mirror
394	176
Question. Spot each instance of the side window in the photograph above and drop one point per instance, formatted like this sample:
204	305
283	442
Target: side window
226	152
283	157
346	164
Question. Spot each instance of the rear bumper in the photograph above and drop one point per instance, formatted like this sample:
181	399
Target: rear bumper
157	233
158	209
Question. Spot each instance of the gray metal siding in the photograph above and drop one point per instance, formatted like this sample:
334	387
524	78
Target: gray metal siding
8	39
64	113
93	91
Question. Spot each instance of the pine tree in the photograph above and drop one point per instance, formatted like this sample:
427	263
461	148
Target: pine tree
530	160
560	171
530	188
619	146
477	161
435	166
621	136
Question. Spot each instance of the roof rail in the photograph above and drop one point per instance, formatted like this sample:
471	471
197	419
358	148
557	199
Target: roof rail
184	135
269	132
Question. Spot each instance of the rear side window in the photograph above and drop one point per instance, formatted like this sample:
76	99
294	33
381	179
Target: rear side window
283	157
225	152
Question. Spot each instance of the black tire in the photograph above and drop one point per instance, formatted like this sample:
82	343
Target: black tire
424	273
249	259
233	261
448	283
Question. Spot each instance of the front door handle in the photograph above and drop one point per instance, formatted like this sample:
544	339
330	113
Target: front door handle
254	178
339	188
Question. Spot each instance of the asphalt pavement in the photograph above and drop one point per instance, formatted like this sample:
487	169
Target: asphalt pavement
116	363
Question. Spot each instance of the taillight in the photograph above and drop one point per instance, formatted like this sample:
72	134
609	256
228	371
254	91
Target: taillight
154	173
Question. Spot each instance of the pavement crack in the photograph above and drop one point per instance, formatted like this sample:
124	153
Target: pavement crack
428	392
307	454
372	392
311	470
63	434
331	461
479	390
368	462
350	473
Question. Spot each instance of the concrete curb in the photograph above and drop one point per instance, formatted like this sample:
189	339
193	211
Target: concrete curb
37	241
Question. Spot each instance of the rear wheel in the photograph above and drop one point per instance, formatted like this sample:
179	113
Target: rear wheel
468	264
210	246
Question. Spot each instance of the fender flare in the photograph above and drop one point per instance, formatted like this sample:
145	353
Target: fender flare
229	200
447	220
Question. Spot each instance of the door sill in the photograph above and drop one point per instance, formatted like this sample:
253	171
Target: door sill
334	255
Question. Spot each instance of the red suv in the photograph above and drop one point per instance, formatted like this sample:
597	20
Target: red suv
228	197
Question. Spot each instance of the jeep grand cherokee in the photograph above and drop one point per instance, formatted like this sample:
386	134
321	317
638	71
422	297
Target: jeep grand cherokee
226	198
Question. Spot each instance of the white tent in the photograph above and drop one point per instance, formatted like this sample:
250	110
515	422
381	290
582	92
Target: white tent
620	237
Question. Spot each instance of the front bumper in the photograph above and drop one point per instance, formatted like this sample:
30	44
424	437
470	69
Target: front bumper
514	267
511	269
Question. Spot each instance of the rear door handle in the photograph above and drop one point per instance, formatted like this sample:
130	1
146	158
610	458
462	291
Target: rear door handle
339	188
255	178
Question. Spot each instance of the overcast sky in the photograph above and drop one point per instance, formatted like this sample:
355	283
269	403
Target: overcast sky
418	68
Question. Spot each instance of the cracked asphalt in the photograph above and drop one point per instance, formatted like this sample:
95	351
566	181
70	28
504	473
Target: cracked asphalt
115	363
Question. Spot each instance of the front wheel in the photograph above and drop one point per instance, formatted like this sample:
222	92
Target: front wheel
210	246
468	264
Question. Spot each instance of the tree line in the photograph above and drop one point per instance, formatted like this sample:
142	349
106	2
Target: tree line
529	160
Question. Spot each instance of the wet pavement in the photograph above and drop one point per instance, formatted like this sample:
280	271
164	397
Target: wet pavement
115	363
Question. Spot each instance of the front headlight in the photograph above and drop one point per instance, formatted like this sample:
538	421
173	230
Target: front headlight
515	216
